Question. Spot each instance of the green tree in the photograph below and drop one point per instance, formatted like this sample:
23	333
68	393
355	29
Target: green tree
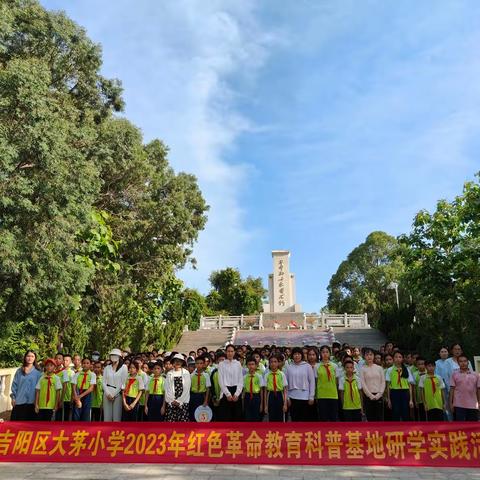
93	222
361	282
441	256
231	295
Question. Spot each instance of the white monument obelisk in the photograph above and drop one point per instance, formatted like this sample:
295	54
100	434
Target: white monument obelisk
281	285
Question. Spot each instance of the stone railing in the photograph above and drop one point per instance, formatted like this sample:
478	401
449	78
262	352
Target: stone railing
287	320
6	380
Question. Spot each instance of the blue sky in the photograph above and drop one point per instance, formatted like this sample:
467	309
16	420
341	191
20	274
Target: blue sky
309	124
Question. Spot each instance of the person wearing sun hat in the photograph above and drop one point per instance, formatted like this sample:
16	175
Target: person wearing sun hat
114	376
177	391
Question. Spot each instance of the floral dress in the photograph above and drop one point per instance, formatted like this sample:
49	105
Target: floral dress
177	413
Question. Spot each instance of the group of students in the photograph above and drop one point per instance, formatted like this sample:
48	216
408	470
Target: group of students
241	383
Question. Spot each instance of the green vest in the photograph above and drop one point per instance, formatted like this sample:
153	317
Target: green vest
254	380
160	389
146	380
83	380
216	385
397	382
67	393
199	383
97	394
433	400
326	384
132	387
417	376
279	381
48	392
351	395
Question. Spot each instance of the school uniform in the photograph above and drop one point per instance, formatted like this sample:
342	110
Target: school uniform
352	402
215	394
131	388
200	383
141	402
252	400
82	381
275	383
419	406
48	386
97	399
156	397
64	413
399	389
433	388
326	392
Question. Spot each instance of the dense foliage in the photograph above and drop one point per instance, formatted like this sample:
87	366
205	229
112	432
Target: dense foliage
437	268
93	222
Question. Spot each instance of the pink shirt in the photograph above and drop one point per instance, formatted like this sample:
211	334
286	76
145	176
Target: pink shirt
466	385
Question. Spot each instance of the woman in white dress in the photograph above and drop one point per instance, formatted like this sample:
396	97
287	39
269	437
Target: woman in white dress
114	376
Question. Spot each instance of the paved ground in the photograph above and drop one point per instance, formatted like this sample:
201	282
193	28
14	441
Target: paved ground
64	471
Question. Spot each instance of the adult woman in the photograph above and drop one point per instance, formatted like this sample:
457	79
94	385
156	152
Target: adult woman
23	389
177	391
326	391
301	386
451	364
230	379
440	365
313	357
373	385
114	377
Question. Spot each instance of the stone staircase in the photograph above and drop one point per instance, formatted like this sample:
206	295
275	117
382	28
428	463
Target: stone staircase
212	339
360	337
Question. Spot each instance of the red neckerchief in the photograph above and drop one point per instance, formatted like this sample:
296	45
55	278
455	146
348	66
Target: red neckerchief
329	374
131	381
399	377
84	380
351	388
49	385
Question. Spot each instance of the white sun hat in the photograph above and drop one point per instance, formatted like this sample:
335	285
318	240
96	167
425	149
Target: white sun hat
116	351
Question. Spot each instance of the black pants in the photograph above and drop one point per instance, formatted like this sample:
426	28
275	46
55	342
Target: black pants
97	414
435	415
300	410
251	407
275	402
130	415
64	414
465	414
155	404
23	413
420	413
327	409
373	409
230	411
45	415
352	415
400	399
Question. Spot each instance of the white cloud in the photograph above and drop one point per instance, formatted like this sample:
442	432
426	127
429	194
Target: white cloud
181	64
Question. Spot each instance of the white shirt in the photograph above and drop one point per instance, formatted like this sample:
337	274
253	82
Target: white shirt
230	374
170	386
113	381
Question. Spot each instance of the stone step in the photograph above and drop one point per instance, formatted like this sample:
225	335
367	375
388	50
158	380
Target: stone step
212	339
360	337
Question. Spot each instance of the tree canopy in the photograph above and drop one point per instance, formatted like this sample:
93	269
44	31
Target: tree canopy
437	268
93	222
